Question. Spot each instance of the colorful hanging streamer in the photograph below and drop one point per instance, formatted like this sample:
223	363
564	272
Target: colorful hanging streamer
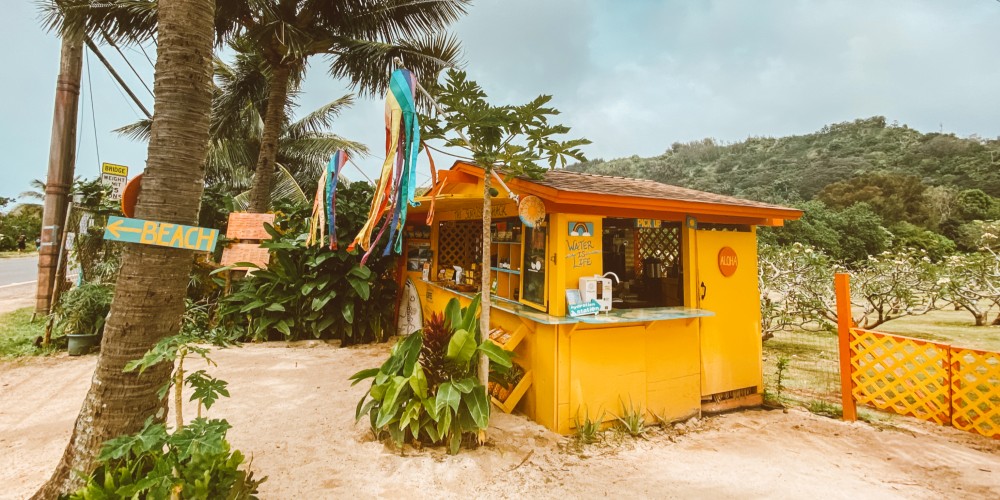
324	215
397	182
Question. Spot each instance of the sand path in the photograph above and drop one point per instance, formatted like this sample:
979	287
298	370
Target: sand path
292	409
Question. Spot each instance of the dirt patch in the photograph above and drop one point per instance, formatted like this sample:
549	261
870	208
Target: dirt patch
293	410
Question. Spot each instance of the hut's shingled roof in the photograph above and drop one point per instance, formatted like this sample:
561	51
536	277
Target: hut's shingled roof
567	180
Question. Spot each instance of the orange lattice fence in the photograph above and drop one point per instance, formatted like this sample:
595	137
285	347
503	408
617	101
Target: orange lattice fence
928	380
902	375
975	388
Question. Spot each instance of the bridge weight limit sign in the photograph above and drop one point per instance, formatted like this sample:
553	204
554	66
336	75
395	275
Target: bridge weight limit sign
114	176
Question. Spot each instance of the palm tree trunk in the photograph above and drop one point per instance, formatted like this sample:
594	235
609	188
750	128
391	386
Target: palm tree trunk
485	283
149	296
274	121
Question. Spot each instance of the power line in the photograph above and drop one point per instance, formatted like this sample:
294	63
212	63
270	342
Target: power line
147	55
107	65
134	72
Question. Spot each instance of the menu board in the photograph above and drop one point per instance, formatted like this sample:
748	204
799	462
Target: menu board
247	226
245	252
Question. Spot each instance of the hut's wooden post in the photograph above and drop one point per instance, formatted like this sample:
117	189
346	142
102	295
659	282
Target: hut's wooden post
842	285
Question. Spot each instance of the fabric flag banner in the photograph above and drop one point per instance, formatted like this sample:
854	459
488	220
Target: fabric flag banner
396	185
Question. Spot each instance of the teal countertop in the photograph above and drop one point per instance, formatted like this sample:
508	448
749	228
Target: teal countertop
614	317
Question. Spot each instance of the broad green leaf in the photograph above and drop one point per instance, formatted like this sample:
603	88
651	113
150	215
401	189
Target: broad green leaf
410	350
363	374
361	272
454	441
466	384
348	312
275	308
282	326
418	382
378	390
461	347
444	422
363	408
453	314
479	406
471	314
447	396
390	409
496	354
361	287
318	303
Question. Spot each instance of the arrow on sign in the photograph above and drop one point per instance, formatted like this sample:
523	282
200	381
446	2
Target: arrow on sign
117	227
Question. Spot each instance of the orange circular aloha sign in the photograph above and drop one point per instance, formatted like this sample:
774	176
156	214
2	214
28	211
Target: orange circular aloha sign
728	261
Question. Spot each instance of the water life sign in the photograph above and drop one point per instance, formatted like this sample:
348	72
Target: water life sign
163	234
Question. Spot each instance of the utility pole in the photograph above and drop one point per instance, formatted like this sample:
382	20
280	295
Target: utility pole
62	159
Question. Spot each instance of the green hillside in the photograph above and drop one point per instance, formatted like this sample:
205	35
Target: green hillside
799	167
865	186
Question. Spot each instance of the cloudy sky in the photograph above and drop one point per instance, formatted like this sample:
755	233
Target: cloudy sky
633	76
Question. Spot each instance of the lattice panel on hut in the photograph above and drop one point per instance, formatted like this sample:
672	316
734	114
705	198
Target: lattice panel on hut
663	243
460	243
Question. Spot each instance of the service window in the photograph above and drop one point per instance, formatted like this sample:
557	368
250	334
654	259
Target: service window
534	267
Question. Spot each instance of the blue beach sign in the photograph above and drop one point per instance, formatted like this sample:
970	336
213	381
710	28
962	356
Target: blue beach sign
162	234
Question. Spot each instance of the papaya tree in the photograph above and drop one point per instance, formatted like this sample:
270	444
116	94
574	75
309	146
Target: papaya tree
514	140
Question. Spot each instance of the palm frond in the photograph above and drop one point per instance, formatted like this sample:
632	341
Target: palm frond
284	187
124	21
368	64
138	131
320	120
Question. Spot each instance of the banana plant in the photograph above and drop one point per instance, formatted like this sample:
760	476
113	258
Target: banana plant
404	405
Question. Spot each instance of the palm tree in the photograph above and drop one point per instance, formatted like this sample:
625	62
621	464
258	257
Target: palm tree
304	146
149	294
359	39
37	191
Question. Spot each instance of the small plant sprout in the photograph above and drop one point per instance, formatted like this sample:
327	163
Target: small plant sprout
779	385
587	430
632	420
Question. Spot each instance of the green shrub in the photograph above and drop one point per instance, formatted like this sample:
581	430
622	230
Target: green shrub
82	310
313	291
194	462
428	392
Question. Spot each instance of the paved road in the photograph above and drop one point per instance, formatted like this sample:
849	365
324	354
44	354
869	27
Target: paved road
18	270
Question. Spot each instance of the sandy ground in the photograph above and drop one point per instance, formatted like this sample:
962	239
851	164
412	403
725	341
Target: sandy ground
292	409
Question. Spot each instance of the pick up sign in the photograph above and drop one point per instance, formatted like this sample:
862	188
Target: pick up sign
163	234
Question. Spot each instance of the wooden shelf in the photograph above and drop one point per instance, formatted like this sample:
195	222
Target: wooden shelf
515	338
516	394
502	270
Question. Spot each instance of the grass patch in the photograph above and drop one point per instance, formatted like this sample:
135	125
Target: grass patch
947	326
18	335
